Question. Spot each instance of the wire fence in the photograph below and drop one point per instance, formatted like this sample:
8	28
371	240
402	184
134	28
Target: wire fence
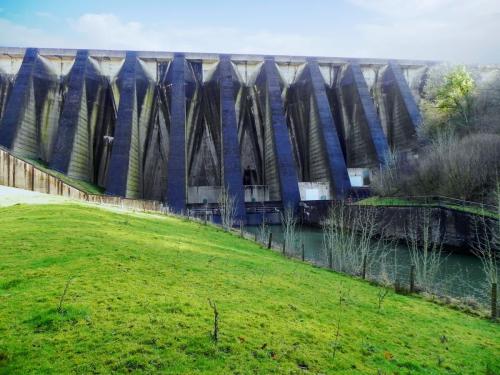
454	289
22	174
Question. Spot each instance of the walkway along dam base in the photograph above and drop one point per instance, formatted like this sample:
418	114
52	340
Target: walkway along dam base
178	128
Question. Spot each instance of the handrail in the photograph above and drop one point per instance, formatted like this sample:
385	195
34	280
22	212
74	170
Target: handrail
460	202
442	202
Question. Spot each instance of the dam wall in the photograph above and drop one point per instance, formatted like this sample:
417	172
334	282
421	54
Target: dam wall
179	128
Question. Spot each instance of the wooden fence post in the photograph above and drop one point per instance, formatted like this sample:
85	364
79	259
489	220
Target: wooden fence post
270	240
363	274
412	278
303	252
397	285
494	302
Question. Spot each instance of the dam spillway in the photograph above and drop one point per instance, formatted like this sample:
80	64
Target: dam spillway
178	127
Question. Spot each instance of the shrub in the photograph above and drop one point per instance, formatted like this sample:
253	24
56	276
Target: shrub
464	168
460	101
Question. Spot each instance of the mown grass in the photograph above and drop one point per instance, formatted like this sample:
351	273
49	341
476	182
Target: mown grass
402	202
138	302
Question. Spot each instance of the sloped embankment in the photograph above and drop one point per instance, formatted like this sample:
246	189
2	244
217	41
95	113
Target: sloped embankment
137	299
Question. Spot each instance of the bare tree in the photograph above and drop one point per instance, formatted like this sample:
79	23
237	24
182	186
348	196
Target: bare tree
383	291
463	168
344	296
264	230
352	239
289	223
60	308
338	238
215	332
227	207
371	242
425	248
387	180
485	247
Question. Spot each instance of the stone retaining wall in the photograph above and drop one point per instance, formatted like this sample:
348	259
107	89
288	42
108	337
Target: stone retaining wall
452	228
18	173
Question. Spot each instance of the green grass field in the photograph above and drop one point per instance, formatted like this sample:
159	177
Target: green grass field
138	301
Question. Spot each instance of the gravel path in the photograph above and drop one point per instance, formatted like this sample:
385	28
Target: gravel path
10	196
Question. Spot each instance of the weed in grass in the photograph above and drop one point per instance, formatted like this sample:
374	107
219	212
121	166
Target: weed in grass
10	284
63	295
343	298
381	294
52	320
215	332
367	348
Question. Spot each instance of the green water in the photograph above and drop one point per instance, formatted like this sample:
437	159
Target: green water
459	275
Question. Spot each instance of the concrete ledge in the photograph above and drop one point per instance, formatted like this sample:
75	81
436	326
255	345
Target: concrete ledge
19	51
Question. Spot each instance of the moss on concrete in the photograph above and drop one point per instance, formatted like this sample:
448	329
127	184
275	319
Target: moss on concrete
84	186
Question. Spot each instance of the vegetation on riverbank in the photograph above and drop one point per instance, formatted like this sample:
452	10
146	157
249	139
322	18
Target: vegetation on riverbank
458	150
86	290
408	202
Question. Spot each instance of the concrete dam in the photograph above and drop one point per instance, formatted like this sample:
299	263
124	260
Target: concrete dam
179	127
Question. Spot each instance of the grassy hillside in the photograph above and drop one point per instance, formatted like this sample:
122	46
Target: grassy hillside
138	301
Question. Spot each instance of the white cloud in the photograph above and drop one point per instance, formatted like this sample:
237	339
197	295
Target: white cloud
15	35
405	8
457	30
429	8
109	31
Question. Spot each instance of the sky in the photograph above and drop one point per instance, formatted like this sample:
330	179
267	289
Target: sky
464	31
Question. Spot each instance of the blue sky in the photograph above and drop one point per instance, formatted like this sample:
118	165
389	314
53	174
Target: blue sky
454	30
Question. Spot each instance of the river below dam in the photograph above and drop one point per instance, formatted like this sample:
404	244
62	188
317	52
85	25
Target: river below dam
458	275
